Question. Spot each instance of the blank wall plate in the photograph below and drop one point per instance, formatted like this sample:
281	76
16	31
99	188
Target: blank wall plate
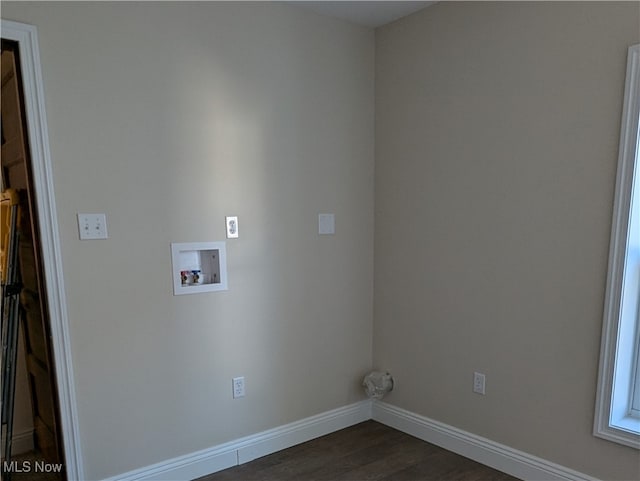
326	224
92	226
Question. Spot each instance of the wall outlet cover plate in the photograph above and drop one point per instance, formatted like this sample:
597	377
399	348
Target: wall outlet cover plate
326	224
232	227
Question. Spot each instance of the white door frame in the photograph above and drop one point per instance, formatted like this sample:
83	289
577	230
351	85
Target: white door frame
27	38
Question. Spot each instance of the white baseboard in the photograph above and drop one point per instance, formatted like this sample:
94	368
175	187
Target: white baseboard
21	442
242	450
498	456
301	431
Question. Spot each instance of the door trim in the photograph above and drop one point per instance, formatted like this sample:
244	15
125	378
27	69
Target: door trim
27	38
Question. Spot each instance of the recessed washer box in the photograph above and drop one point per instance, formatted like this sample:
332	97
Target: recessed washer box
199	267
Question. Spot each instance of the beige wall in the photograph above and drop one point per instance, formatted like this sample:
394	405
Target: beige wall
496	137
496	146
168	117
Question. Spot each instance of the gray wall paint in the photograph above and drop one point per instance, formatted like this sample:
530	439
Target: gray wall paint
168	117
497	127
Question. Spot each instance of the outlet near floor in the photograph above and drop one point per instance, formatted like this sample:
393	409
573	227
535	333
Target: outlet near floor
478	382
238	387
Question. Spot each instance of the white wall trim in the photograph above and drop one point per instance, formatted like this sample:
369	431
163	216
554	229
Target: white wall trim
611	324
27	38
216	458
240	451
301	431
498	456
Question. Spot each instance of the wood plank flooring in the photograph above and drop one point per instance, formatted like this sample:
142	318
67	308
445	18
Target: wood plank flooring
364	452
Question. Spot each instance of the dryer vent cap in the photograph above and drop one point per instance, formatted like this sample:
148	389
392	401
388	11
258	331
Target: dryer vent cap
376	384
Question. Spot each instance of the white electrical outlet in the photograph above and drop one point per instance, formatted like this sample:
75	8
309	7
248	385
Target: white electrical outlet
238	387
478	382
92	226
232	227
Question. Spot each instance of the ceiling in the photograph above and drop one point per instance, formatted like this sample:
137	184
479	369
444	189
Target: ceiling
369	14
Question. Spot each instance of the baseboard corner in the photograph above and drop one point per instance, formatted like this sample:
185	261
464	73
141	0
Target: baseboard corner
495	455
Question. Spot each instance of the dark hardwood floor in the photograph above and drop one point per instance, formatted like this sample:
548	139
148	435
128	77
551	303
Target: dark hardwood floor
366	451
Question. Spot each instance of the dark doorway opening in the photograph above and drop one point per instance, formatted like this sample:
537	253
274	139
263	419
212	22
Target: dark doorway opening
36	370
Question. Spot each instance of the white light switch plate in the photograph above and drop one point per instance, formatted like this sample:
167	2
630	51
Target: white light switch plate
326	224
92	226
